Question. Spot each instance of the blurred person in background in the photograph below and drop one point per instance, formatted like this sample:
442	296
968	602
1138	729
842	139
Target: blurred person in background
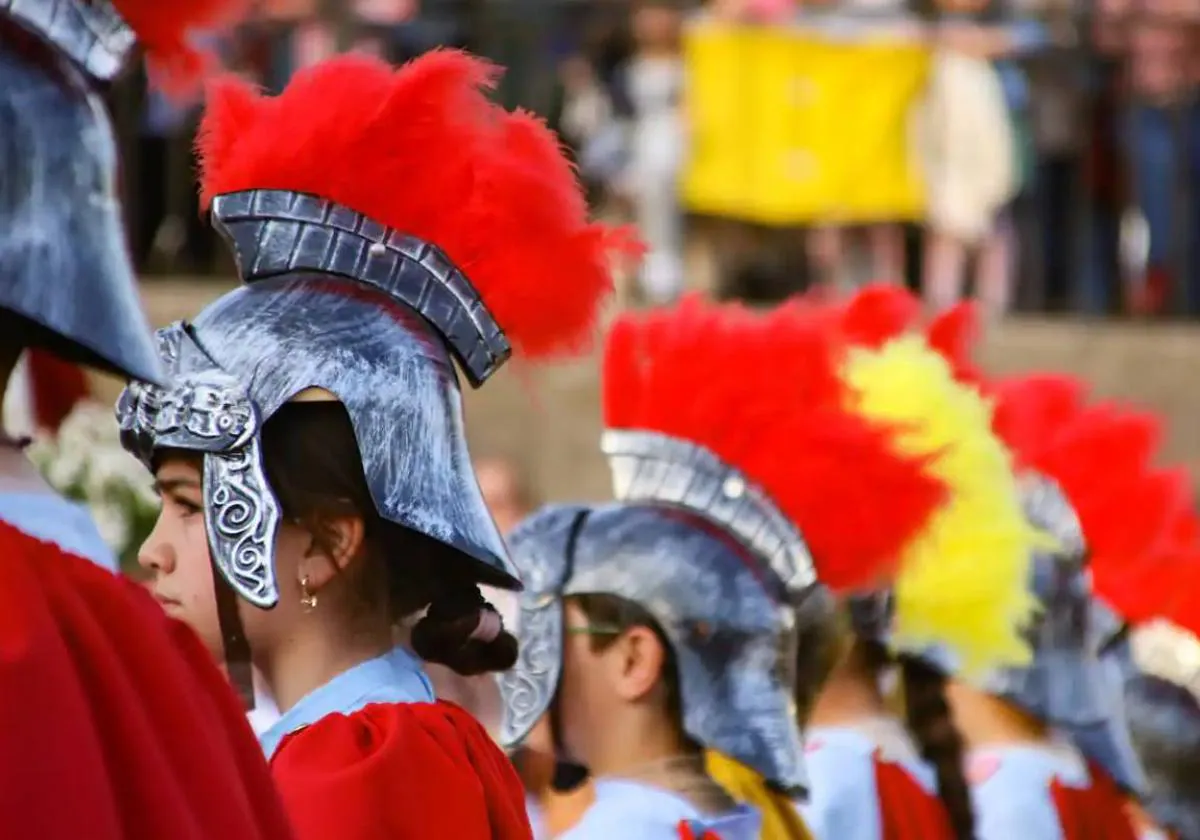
296	34
170	232
589	126
1105	273
1059	107
164	122
649	100
1162	146
851	255
506	491
974	141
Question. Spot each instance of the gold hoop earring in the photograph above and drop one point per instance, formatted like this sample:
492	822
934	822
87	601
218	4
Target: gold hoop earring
309	598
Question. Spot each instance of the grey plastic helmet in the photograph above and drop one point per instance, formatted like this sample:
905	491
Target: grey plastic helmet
63	254
725	575
383	343
1075	680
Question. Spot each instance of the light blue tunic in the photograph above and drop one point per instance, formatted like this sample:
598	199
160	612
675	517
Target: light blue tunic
395	677
843	803
536	819
52	518
628	810
1010	789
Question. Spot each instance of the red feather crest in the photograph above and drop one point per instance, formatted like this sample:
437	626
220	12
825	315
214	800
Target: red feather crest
1139	522
762	392
421	149
1137	519
881	312
1181	551
164	29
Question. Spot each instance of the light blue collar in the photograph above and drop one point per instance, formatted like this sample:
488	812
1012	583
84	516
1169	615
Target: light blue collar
395	677
51	518
648	811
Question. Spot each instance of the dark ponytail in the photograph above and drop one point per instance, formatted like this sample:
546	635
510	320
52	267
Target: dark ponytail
462	631
932	726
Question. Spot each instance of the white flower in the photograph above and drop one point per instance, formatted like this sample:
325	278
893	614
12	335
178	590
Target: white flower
86	461
89	424
112	522
67	469
42	452
113	469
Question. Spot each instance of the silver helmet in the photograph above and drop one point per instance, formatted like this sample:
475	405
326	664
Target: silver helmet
351	301
382	344
703	463
92	35
1075	680
724	574
63	254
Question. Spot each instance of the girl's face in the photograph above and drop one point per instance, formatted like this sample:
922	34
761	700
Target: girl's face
179	570
175	556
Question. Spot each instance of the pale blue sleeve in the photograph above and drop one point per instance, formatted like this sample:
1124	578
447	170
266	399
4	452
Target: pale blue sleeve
67	524
617	824
842	803
536	821
1013	804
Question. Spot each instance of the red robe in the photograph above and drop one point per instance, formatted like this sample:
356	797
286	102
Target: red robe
908	811
399	771
118	725
1096	812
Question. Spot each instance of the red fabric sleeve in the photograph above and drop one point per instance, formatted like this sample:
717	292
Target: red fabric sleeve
117	723
1096	812
686	832
399	771
908	811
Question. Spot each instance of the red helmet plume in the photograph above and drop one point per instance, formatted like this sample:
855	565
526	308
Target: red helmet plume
422	150
165	28
762	392
883	311
1138	521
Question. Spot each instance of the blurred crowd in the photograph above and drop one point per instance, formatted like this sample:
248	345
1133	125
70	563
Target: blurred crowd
1059	140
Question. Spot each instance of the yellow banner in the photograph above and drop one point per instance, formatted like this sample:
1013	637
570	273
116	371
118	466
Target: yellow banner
787	127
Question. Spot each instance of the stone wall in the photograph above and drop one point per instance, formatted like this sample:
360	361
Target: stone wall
549	419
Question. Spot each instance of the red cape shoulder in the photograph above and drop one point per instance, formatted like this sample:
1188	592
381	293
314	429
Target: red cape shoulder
908	810
394	771
109	703
1096	812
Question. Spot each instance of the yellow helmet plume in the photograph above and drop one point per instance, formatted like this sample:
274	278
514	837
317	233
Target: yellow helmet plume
964	580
